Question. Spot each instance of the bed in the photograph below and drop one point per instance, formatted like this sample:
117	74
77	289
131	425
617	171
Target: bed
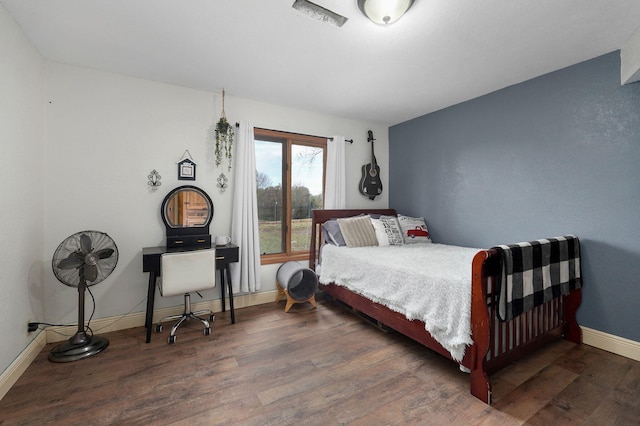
495	343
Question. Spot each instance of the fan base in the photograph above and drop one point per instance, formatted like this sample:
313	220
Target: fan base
67	352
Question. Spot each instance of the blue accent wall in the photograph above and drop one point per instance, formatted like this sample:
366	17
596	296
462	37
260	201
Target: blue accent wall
555	155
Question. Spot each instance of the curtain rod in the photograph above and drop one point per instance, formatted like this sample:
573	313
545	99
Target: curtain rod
301	134
346	140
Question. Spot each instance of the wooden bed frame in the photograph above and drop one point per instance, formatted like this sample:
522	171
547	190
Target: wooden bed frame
496	343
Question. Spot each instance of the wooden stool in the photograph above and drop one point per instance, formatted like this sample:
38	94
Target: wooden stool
290	300
297	283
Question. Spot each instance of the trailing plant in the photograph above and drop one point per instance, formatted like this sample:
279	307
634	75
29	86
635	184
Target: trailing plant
224	141
224	138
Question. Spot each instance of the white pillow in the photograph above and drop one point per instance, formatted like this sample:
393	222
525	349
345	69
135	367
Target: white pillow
388	231
414	229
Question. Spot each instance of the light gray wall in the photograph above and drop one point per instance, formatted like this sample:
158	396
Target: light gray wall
21	186
554	155
105	132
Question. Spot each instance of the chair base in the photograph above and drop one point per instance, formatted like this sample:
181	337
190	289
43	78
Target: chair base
282	292
185	316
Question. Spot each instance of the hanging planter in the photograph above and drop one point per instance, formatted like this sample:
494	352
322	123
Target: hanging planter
224	138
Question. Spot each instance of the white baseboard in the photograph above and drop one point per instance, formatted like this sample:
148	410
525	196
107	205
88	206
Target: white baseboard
610	343
11	375
105	325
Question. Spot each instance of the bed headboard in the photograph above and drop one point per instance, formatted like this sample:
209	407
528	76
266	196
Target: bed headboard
318	217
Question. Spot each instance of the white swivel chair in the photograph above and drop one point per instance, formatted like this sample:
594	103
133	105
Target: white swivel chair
183	273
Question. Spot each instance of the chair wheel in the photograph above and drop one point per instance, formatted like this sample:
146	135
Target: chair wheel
172	339
207	331
212	318
159	328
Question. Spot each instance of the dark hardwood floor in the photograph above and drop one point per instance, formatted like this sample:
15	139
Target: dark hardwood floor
317	367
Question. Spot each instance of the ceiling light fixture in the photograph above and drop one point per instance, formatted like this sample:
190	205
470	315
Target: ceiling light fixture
318	12
384	12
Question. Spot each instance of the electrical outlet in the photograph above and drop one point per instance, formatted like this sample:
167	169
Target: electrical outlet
32	326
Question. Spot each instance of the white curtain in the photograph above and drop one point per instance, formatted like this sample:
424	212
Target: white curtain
335	187
245	274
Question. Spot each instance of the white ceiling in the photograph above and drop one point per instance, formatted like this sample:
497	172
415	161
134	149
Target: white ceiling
439	54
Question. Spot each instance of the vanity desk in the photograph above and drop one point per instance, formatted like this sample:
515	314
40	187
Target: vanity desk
225	255
187	212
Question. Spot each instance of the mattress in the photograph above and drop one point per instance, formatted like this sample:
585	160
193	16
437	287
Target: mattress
426	282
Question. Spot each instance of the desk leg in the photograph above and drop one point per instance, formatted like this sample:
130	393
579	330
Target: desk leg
222	281
151	294
233	314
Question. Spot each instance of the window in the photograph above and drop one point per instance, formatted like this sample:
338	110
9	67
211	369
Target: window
290	183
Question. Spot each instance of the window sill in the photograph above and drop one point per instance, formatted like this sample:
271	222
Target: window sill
270	259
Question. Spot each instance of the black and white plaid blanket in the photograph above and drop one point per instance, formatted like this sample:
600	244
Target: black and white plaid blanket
534	272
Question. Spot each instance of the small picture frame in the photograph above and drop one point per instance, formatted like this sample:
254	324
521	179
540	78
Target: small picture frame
186	167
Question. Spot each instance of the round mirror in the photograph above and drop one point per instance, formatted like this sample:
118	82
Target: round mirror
187	207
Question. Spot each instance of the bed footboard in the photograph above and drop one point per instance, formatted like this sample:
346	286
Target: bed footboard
484	266
499	343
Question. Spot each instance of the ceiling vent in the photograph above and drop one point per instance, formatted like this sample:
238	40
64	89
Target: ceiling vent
319	13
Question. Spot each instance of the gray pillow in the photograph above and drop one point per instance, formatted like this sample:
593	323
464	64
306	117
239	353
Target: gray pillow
331	233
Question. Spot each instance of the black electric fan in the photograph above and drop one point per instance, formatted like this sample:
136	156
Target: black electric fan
83	260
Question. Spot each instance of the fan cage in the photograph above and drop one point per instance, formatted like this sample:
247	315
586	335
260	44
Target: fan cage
73	244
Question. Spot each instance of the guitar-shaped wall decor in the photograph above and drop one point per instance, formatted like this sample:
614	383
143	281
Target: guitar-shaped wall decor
370	183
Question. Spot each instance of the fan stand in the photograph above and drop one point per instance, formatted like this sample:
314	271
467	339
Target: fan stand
80	345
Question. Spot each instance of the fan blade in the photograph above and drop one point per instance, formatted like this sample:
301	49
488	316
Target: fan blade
73	261
85	243
104	253
90	272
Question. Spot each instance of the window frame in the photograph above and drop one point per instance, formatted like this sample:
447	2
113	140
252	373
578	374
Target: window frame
288	139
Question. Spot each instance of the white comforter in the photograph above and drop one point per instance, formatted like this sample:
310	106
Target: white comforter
428	282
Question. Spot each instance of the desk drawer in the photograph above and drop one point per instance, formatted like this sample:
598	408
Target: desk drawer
226	254
189	241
